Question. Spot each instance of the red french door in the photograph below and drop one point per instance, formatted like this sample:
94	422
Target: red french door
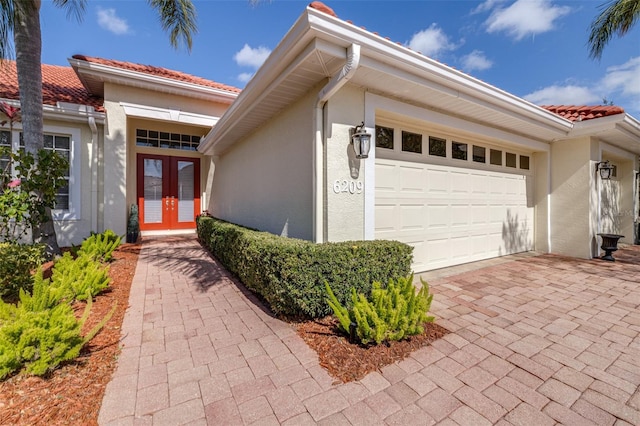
168	192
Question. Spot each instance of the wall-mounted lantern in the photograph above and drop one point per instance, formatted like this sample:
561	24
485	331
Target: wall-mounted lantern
361	141
605	169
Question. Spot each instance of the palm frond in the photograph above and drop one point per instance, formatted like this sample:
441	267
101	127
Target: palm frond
75	8
617	18
178	18
6	29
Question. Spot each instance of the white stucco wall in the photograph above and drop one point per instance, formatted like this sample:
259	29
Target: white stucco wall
265	181
572	198
344	211
72	229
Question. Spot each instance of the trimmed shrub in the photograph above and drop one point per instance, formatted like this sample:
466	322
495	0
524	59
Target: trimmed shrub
389	314
289	274
17	261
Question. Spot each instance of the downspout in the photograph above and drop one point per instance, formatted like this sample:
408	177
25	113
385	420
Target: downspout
94	174
338	80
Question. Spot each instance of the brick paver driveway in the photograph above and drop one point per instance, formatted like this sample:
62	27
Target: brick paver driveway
536	341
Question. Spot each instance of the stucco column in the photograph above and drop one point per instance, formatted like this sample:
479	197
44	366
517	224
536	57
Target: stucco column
345	174
115	169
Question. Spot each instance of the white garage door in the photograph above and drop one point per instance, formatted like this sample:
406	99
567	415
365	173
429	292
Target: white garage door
452	215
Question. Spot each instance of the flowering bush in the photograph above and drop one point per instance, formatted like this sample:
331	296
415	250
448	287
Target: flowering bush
28	185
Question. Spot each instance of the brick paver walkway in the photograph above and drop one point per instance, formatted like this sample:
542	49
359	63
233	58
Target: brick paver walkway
536	341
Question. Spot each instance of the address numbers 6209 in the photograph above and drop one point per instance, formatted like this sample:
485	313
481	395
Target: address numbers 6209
347	186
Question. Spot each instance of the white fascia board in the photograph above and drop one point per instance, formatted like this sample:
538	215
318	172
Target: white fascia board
151	82
449	79
623	122
65	111
72	112
163	114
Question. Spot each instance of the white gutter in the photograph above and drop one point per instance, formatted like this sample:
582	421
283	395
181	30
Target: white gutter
94	173
338	80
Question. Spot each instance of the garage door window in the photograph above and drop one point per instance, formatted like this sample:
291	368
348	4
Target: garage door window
511	159
524	162
495	157
479	154
437	147
411	142
459	150
384	137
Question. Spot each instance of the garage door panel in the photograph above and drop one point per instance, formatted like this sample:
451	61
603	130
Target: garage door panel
460	250
437	182
459	215
412	217
452	215
437	216
479	184
459	183
385	218
386	180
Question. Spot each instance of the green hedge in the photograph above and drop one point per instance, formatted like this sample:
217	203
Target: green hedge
290	274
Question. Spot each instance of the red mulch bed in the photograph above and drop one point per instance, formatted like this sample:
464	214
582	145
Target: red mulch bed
348	361
73	393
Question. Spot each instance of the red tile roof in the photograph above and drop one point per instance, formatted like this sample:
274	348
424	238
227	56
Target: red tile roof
583	112
158	72
318	5
58	84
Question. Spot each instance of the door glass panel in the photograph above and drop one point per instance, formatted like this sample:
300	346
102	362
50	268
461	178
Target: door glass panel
186	202
152	191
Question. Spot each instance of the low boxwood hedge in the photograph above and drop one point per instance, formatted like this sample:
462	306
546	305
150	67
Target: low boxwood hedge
290	274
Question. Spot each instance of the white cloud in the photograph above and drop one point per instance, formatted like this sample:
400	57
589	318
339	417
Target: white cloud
431	41
624	78
476	60
620	85
252	57
244	77
108	20
564	95
486	6
524	17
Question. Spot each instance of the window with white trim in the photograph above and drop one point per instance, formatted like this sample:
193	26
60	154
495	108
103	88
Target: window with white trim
66	142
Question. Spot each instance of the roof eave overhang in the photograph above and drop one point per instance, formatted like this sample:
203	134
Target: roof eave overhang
375	50
621	130
64	111
89	71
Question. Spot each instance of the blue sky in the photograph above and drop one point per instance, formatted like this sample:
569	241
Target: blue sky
535	49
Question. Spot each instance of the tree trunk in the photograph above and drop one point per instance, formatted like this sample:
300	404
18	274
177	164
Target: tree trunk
28	45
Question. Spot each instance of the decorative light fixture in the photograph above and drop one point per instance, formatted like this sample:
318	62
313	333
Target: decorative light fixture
605	169
361	141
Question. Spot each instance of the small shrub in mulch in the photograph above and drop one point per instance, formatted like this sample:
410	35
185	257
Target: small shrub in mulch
347	361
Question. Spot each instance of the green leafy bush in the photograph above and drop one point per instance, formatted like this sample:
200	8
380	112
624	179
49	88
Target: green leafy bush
391	313
101	246
79	278
38	333
289	274
17	261
41	331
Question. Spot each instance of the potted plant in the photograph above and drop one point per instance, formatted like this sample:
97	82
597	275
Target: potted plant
133	225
